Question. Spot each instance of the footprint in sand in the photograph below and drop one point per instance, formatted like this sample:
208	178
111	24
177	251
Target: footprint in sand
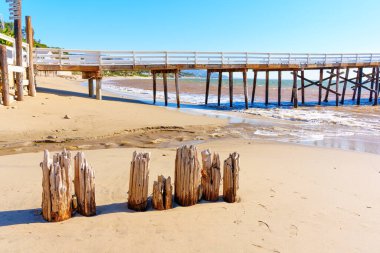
293	230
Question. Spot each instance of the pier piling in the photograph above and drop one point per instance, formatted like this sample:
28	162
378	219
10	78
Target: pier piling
303	86
359	87
294	91
279	88
177	88
345	85
337	87
329	85
207	85
254	86
165	77
154	86
245	88
377	87
231	87
99	88
372	84
266	87
91	87
320	86
220	86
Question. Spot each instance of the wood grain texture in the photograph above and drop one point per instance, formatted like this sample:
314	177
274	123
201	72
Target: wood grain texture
56	187
231	178
187	189
84	182
211	176
162	193
138	182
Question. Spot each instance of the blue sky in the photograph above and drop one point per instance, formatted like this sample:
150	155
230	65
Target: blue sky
208	25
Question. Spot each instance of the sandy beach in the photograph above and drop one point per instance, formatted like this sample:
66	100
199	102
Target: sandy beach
293	198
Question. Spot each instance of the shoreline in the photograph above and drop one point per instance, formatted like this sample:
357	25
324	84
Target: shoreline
348	128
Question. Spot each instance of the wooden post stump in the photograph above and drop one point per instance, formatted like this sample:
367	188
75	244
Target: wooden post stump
231	178
187	189
162	193
56	187
138	182
84	183
210	176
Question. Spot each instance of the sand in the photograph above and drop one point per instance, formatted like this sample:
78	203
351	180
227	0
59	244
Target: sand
293	198
29	125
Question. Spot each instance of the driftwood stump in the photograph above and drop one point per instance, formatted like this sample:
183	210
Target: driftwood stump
187	176
210	176
84	182
162	193
138	182
56	187
231	178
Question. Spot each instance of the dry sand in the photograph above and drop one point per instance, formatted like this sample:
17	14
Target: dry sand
30	125
293	198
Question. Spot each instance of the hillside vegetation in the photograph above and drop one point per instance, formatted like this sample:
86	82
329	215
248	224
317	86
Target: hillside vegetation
8	30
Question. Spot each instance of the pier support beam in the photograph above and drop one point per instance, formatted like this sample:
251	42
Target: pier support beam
336	87
329	85
154	87
99	88
177	89
4	76
279	88
91	87
266	87
345	86
207	85
254	86
359	87
356	86
220	86
245	88
231	87
372	83
294	90
320	86
376	87
303	86
30	41
165	77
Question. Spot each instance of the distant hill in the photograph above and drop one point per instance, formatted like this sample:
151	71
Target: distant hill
199	73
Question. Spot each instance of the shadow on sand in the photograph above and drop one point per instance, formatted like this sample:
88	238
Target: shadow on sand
210	107
33	216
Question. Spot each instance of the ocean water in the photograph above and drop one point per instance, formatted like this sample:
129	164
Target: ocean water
346	127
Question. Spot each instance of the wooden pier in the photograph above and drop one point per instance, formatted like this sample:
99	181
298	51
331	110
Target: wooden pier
338	67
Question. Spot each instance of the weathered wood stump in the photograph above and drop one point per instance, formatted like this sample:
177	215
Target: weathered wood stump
56	187
84	182
210	176
162	193
187	188
138	182
231	178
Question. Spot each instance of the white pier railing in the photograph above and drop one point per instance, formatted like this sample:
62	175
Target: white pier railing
11	52
50	56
